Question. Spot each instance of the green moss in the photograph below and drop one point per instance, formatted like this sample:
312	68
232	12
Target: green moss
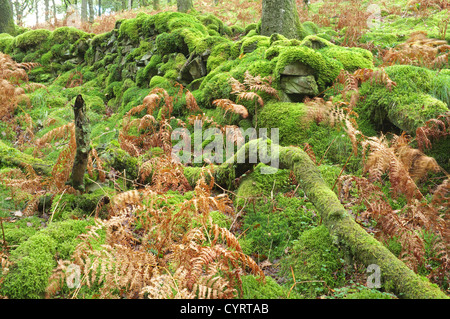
219	54
169	43
310	27
69	34
12	157
316	42
129	28
440	87
149	71
351	58
35	259
32	38
326	69
19	231
409	104
314	258
120	160
251	43
254	289
5	42
288	118
171	69
273	223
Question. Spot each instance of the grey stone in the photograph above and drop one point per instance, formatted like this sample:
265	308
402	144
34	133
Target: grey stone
303	85
298	69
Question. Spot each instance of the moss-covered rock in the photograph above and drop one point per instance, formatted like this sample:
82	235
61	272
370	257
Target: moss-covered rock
408	105
32	38
34	259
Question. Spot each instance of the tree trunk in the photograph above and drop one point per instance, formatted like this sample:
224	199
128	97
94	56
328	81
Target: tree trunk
84	14
6	17
47	10
99	8
280	16
347	234
155	4
54	10
184	5
91	10
82	136
36	9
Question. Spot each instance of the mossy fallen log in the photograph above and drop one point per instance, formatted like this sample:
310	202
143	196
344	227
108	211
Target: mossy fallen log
346	233
10	156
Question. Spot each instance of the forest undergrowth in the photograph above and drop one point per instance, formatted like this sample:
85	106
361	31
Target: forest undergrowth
165	229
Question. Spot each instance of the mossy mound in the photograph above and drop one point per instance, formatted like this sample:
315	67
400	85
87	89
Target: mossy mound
410	104
35	258
316	262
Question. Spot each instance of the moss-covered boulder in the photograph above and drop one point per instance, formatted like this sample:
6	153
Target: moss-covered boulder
34	259
408	105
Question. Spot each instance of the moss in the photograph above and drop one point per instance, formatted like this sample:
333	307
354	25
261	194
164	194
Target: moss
216	86
129	29
171	69
69	206
314	258
169	43
219	54
69	34
273	222
120	160
12	157
351	58
5	42
19	231
316	42
251	43
326	69
409	104
32	38
310	27
288	118
35	259
440	87
254	289
250	27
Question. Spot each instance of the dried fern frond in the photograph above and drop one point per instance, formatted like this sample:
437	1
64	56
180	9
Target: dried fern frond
434	129
229	105
191	102
419	50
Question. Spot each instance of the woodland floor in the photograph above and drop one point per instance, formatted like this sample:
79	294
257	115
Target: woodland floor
145	226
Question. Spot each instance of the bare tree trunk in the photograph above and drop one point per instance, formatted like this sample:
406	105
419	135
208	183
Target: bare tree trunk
99	8
155	4
82	136
36	9
184	5
84	14
91	10
54	10
47	10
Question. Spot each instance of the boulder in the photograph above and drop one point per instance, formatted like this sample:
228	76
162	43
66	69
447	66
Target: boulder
301	85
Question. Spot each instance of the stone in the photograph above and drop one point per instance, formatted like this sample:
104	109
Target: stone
193	69
303	85
298	69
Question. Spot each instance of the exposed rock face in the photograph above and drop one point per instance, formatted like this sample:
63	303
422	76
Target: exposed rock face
302	85
297	81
